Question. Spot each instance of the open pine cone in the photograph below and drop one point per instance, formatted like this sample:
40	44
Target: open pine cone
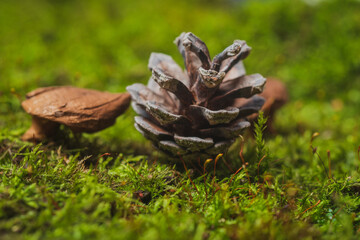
202	110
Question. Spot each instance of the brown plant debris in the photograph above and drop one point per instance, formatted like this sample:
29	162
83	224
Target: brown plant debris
275	95
82	110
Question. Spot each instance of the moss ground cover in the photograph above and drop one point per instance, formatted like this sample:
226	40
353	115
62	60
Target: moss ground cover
301	183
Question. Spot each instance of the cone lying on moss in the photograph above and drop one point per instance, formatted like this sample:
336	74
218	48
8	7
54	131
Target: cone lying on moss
201	110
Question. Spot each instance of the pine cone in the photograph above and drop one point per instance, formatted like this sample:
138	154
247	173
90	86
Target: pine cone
202	110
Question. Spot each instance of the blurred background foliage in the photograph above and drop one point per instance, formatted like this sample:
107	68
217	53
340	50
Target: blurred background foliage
106	44
313	46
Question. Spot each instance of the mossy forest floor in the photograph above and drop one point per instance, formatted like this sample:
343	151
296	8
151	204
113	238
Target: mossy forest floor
114	185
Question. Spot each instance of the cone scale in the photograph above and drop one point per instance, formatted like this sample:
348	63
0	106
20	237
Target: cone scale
201	110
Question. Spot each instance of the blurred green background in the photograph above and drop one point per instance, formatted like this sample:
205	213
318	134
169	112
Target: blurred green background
312	46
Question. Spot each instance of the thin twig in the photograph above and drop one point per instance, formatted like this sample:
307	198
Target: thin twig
332	218
243	161
259	167
228	165
329	159
97	162
235	174
205	178
311	207
216	159
315	152
187	172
